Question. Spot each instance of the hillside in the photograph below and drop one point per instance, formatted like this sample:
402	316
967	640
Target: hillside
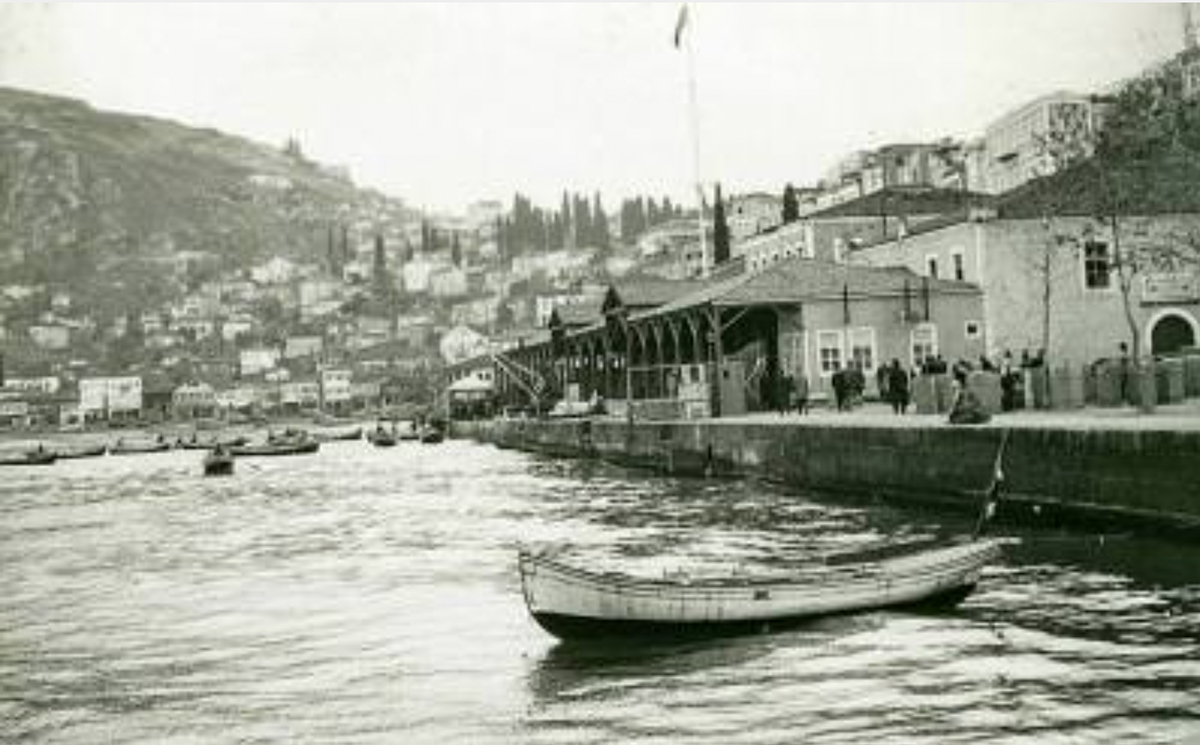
104	203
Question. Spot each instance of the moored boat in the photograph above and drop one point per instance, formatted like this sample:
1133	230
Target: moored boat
135	448
571	602
39	457
278	447
345	435
382	438
218	463
88	452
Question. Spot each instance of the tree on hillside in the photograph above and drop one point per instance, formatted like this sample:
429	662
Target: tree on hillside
566	227
599	223
791	205
455	251
720	230
380	276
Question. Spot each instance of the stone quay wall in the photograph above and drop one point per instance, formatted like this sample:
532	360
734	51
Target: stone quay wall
1109	479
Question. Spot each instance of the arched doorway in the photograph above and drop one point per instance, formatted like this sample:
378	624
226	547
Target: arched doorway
1171	332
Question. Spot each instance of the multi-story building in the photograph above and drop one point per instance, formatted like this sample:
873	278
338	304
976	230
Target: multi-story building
1033	139
1007	256
336	388
194	400
118	397
751	214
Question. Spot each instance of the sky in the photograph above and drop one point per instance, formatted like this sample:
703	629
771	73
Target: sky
442	104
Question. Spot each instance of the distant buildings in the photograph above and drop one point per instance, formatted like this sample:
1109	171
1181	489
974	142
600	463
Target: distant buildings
1006	257
1020	145
751	214
118	397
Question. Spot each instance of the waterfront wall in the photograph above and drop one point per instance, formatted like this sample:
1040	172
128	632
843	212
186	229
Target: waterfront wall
1131	478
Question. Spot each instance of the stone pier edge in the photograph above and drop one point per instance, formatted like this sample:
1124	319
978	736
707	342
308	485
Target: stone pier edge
1123	480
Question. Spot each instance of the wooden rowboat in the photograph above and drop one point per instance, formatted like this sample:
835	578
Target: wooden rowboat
381	438
343	436
431	435
571	602
218	463
130	448
29	458
87	452
278	448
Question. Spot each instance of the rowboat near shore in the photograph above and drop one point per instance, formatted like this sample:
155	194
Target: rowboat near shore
571	602
218	463
278	446
95	451
38	457
122	447
346	435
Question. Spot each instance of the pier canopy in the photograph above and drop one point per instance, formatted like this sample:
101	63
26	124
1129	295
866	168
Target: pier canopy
724	345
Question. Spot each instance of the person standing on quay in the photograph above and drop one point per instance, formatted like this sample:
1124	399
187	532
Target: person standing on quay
800	394
898	387
1125	373
839	388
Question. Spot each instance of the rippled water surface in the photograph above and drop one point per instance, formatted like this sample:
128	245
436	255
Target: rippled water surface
362	595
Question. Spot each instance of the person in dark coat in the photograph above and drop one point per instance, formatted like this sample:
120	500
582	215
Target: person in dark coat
898	387
839	388
783	399
883	376
800	394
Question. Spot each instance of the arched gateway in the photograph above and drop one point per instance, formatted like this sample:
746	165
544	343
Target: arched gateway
1171	332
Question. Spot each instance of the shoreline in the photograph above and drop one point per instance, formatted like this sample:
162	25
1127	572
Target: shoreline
1116	469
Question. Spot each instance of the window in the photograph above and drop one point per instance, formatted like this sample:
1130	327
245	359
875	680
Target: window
862	348
1095	265
931	266
924	342
973	329
829	351
960	272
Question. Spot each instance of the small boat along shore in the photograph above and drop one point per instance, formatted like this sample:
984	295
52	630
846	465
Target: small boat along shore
291	442
94	451
571	602
218	463
28	458
122	447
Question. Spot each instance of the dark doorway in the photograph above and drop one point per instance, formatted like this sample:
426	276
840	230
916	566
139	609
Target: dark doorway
1170	334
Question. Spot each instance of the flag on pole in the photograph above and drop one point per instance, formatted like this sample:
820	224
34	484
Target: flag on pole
681	25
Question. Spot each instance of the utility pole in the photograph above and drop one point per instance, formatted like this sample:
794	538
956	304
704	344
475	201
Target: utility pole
681	30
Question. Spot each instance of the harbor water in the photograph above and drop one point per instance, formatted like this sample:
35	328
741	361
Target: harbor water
366	595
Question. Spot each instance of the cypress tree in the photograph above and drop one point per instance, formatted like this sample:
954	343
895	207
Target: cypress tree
599	223
791	205
720	230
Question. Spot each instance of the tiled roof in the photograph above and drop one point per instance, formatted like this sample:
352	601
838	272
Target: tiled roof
649	292
800	280
578	314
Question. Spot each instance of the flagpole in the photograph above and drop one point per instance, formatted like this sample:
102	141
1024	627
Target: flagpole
694	117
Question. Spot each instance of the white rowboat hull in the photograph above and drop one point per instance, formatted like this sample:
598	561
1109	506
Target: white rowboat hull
570	602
